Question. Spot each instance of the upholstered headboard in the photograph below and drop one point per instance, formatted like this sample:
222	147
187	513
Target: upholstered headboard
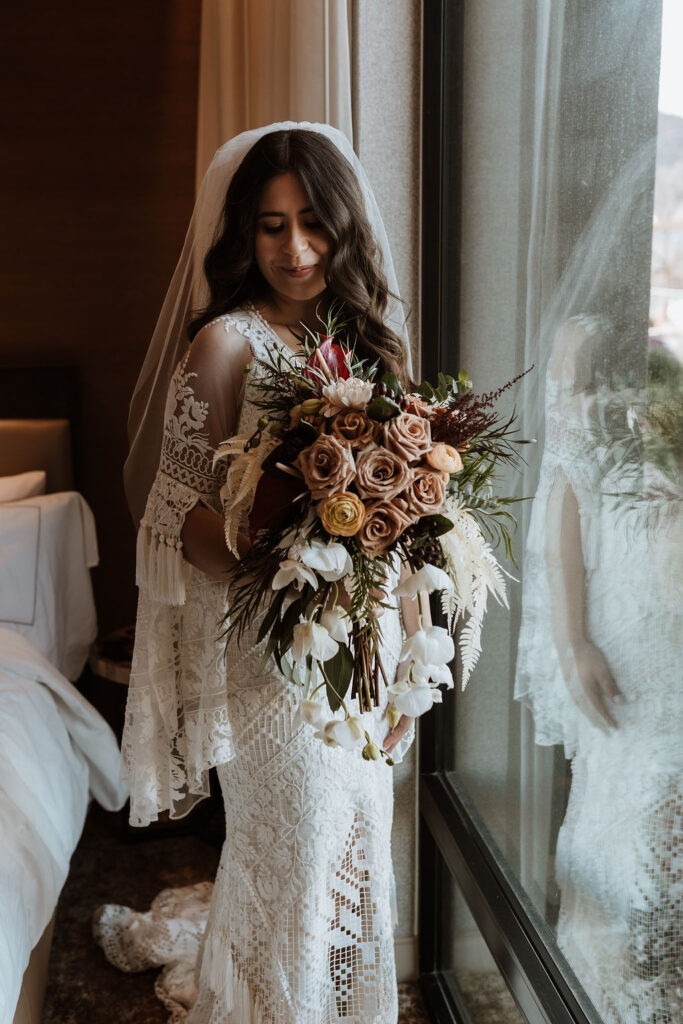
40	423
38	444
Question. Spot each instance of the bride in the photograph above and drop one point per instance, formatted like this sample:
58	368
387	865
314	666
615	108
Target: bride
300	924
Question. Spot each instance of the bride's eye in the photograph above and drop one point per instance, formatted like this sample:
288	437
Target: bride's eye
271	229
313	225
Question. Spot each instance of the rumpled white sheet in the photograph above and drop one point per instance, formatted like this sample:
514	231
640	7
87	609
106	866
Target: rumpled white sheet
55	750
48	545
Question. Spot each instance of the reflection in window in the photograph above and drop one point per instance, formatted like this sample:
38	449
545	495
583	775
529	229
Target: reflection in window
568	155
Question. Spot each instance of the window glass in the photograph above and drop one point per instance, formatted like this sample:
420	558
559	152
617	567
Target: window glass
568	736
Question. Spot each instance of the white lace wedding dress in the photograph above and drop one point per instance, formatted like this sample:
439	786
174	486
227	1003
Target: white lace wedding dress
300	921
619	860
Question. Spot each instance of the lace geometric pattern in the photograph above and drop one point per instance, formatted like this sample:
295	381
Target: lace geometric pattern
300	926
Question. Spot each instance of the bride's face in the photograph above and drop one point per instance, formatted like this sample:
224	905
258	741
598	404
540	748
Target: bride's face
291	246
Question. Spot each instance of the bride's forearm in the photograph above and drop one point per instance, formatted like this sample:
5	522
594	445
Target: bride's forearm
203	537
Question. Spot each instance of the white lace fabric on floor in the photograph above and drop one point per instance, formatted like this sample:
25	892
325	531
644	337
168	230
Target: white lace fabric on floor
620	848
301	921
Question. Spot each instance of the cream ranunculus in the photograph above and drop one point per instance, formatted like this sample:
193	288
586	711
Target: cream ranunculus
445	458
327	466
381	474
342	514
352	393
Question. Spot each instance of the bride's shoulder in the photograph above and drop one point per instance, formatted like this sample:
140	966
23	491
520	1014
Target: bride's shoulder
244	322
225	337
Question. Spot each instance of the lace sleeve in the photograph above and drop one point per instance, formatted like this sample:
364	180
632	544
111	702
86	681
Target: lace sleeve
202	408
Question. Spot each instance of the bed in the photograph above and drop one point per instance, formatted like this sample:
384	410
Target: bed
56	752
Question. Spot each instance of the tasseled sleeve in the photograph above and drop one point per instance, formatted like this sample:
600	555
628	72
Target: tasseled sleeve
201	411
177	716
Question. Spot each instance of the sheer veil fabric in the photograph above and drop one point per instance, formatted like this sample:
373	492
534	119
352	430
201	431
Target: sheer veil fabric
188	289
300	924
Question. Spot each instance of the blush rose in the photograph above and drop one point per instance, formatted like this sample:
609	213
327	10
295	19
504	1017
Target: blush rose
327	466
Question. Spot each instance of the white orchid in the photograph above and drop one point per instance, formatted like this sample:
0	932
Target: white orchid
430	646
424	581
413	699
331	561
337	623
312	638
352	393
346	732
310	712
421	673
293	572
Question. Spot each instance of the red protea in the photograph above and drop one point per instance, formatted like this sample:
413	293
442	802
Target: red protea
327	362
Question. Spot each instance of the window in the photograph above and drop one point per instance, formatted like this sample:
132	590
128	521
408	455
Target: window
552	792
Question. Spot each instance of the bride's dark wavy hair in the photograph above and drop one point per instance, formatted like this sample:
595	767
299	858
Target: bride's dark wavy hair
354	273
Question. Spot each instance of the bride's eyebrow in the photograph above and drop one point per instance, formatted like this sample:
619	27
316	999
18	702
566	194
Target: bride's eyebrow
277	213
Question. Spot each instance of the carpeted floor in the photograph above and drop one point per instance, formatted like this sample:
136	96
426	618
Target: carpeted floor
111	865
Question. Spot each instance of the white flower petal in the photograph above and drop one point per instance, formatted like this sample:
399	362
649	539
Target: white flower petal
326	735
312	638
332	561
434	673
337	623
293	572
413	699
351	393
430	646
311	713
424	581
347	733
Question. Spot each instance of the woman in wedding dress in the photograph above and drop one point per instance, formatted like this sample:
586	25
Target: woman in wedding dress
300	923
599	659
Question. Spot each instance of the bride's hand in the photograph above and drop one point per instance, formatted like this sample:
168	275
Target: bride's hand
596	680
397	733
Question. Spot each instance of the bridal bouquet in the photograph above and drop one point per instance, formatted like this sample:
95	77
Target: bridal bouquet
347	477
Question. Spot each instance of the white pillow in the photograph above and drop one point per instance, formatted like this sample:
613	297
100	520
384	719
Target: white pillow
23	485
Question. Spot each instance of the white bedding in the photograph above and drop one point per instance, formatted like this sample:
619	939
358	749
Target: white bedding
48	545
55	749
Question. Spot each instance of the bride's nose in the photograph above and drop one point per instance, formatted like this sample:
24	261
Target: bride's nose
295	240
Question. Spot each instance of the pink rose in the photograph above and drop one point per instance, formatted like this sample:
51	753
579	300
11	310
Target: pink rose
426	493
381	473
353	426
384	523
409	436
327	466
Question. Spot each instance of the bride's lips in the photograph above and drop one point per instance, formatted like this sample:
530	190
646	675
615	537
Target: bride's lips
299	272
